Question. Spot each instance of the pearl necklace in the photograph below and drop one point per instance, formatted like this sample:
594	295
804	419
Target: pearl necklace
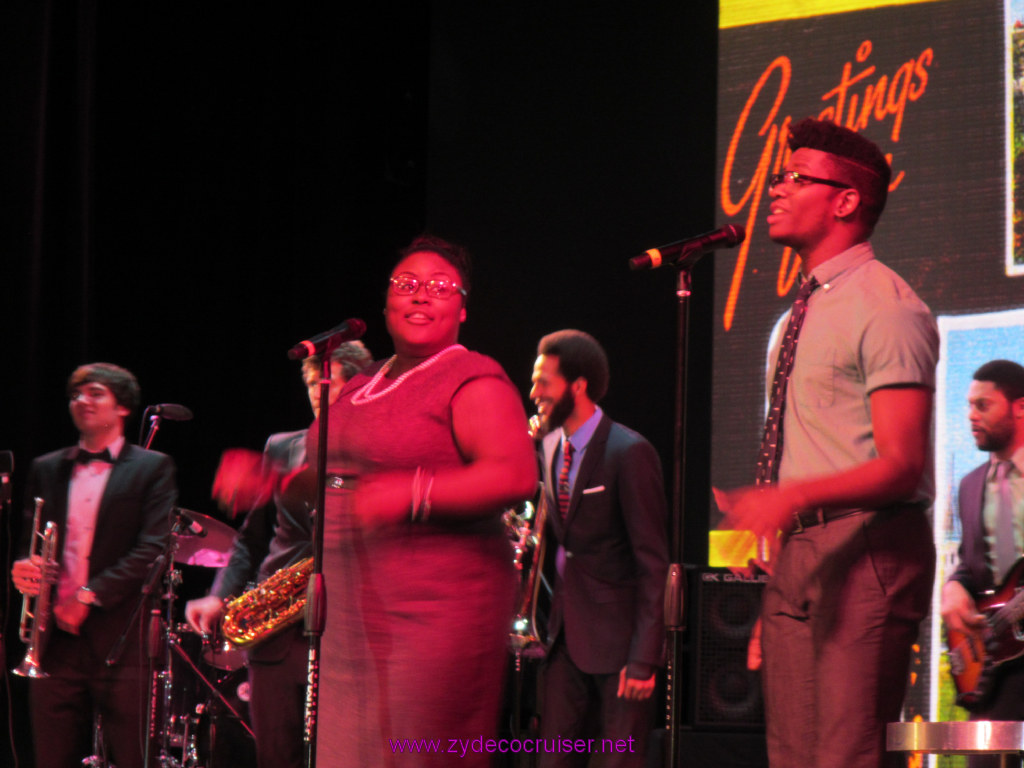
366	394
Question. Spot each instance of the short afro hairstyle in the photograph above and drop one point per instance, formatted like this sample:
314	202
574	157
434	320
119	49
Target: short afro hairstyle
859	161
579	356
1007	376
456	255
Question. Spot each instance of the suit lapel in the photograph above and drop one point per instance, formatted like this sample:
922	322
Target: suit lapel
58	504
119	473
549	445
591	459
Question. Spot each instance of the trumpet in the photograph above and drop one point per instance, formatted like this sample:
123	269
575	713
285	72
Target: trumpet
527	530
35	612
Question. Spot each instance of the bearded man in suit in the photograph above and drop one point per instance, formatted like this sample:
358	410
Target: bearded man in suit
112	504
988	550
604	489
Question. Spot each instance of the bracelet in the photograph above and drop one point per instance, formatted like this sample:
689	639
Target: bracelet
420	510
415	505
425	507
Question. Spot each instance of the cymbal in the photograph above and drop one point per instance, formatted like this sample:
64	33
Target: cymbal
223	655
211	549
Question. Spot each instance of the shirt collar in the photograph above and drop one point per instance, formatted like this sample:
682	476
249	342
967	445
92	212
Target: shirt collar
114	447
582	436
1017	458
831	270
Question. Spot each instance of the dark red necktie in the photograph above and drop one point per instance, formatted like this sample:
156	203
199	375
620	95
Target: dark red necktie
563	479
771	442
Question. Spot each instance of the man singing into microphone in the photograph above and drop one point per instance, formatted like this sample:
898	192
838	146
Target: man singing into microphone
277	533
112	504
845	470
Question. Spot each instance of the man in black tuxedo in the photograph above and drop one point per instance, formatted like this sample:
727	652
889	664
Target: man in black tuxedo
996	412
276	533
112	503
608	513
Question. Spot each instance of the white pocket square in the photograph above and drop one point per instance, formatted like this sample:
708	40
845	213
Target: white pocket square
595	489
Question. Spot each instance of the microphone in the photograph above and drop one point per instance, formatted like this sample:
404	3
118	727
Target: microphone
683	253
193	527
171	411
351	329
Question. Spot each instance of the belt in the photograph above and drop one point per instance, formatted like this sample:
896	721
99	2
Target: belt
813	517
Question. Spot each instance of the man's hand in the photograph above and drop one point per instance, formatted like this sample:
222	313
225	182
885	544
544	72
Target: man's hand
959	611
633	689
754	656
764	510
70	614
26	576
203	614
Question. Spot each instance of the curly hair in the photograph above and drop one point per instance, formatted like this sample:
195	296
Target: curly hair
579	356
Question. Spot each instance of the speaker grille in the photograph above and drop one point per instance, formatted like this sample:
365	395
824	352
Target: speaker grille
725	692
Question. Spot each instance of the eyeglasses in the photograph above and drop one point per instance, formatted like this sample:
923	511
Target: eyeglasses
801	180
408	285
90	393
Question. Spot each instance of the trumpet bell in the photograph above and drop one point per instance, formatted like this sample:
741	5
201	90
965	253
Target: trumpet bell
30	668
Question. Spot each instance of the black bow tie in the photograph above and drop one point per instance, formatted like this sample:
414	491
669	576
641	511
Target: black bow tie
84	456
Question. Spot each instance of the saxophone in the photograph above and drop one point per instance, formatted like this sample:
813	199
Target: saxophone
270	607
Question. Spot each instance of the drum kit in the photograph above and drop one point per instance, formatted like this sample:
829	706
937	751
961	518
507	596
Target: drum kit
198	713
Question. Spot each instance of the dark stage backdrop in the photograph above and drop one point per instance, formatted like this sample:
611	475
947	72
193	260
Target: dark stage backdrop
565	139
188	191
937	86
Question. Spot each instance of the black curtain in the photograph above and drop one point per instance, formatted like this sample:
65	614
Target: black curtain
187	191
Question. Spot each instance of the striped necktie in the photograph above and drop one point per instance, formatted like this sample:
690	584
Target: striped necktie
563	478
771	442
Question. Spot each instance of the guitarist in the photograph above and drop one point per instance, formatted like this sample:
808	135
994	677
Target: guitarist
996	412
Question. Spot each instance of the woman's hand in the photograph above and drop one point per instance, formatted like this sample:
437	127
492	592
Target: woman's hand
242	482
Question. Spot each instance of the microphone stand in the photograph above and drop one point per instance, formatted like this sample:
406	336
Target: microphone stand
675	586
316	589
154	427
5	514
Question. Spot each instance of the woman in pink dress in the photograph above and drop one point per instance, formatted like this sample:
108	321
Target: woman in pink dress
425	451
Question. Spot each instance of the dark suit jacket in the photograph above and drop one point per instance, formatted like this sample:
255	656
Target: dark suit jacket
132	527
609	599
973	571
273	536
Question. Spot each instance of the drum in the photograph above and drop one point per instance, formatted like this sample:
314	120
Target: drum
225	740
200	714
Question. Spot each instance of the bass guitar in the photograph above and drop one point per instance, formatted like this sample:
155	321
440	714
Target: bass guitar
975	658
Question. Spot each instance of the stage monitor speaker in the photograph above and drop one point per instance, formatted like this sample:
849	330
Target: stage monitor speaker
724	608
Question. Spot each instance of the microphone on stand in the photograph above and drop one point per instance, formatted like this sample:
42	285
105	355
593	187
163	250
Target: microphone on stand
187	523
351	329
171	411
683	253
